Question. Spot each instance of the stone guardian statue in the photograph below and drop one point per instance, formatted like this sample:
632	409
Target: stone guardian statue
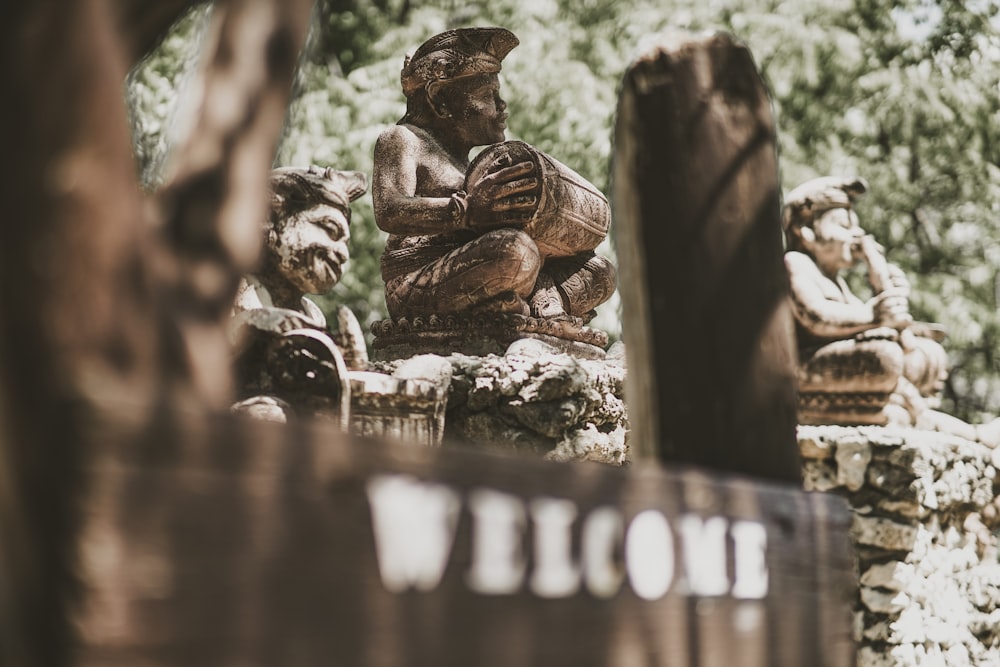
287	356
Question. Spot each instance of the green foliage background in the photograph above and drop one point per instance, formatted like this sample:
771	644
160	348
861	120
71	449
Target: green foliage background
904	93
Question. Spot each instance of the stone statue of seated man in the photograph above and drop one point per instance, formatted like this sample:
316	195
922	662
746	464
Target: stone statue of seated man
861	361
467	245
852	351
282	339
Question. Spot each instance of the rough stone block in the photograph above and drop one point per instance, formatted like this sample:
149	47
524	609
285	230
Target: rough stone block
891	480
884	533
539	401
819	476
956	656
883	602
906	509
814	446
894	575
909	627
858	626
875	630
590	444
852	462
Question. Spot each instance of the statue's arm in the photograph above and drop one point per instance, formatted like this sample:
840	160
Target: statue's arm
819	315
882	275
398	208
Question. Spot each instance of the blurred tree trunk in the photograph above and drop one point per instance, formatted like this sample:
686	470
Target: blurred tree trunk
144	24
100	317
69	192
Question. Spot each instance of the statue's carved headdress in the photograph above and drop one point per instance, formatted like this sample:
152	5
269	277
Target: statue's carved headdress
318	185
454	54
295	189
813	198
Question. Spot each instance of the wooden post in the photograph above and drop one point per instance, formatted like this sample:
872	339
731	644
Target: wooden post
72	210
89	311
708	331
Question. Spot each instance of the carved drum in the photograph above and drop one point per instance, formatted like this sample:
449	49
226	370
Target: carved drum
570	216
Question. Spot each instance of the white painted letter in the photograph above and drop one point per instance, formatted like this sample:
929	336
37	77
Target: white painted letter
602	530
554	575
497	542
414	526
750	540
649	555
704	545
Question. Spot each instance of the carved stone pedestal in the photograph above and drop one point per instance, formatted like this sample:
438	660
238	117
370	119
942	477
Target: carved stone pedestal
859	408
482	334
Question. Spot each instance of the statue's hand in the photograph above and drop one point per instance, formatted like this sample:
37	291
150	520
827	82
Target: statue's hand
503	198
891	308
878	333
898	279
866	248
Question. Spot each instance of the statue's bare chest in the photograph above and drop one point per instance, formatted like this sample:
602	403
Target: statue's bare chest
438	175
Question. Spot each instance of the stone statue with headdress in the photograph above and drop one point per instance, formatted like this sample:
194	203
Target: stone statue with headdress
510	235
861	361
288	358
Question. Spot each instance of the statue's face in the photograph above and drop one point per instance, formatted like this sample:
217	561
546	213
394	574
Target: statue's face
837	239
311	248
311	229
478	112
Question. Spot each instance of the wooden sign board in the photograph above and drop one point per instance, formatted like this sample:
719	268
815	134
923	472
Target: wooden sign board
239	545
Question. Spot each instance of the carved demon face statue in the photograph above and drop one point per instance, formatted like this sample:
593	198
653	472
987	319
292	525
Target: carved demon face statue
309	226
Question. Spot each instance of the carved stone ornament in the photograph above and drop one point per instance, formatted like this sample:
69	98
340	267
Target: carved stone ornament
512	234
408	404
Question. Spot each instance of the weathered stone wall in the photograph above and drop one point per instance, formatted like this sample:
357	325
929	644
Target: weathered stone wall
925	530
537	400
